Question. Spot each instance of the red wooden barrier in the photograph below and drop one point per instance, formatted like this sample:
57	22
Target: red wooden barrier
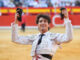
30	20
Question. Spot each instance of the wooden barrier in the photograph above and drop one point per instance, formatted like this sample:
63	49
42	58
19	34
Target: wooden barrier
30	20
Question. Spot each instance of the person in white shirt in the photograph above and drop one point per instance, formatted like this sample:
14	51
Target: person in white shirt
44	44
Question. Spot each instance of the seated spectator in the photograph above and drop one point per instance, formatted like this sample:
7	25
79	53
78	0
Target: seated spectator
1	3
6	2
25	3
77	3
49	3
33	3
62	4
11	4
17	3
42	3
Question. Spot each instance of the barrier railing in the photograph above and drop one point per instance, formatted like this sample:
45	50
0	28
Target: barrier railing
39	10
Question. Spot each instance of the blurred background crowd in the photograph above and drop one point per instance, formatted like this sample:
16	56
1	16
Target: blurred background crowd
39	3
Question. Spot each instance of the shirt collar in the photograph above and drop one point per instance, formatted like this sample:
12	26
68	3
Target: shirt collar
46	33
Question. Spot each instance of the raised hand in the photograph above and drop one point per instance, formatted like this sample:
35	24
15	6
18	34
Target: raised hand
65	12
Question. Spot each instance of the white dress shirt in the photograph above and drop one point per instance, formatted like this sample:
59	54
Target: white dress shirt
50	41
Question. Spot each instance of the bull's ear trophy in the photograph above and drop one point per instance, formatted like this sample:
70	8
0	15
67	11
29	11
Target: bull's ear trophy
62	15
19	11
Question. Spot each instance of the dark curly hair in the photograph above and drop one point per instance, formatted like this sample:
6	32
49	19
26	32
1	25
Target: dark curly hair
44	16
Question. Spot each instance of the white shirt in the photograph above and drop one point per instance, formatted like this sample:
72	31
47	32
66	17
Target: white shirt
50	41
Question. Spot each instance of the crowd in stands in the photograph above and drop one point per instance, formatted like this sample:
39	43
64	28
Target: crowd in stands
39	3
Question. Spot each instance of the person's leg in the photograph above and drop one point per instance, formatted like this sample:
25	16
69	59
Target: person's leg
23	27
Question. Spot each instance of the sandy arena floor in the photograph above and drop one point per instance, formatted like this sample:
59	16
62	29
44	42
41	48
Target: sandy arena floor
13	51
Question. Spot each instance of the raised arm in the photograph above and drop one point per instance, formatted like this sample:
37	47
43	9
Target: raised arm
68	35
20	39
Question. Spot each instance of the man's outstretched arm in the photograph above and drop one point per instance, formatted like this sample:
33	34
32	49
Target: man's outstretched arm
20	39
68	35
